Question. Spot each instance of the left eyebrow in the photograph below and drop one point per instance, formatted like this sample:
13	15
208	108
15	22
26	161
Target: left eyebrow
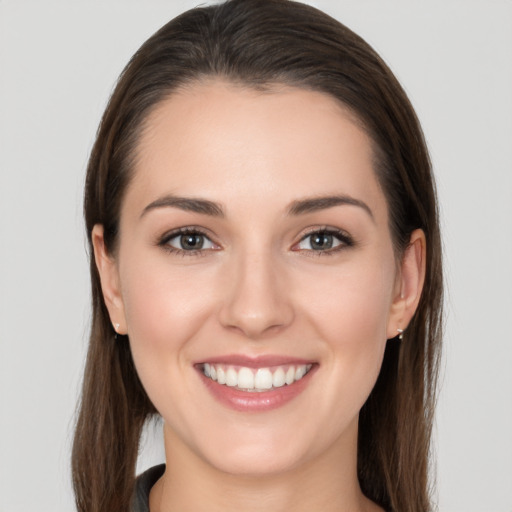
314	204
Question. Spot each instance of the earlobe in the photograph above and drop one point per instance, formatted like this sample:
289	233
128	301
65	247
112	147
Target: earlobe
109	277
410	285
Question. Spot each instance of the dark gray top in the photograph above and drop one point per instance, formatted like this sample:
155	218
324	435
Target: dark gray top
142	487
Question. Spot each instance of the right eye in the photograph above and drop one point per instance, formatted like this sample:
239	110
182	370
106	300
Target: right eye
188	242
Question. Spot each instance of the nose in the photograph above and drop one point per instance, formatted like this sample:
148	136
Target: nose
256	302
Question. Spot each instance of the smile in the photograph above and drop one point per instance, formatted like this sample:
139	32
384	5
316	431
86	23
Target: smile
255	379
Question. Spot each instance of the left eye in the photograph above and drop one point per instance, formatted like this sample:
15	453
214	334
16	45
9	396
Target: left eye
190	242
322	241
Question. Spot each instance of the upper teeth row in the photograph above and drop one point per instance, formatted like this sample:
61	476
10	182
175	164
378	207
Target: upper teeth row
260	379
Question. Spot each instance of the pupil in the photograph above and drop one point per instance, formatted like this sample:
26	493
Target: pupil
321	241
191	242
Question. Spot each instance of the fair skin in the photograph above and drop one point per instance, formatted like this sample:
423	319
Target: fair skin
263	270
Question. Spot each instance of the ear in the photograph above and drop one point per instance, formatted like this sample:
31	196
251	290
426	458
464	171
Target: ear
109	276
409	284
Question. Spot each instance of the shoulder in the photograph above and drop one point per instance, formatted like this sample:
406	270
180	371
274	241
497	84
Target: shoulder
143	485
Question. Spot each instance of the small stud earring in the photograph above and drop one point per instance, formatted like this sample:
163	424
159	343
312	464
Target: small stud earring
400	333
116	327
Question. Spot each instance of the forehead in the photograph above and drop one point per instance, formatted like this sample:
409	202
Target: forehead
228	143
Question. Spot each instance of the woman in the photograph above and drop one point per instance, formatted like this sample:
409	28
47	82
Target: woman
266	273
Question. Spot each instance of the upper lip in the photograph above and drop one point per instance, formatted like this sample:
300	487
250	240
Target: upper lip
262	361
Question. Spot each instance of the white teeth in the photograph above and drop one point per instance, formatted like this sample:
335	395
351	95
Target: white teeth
279	378
261	379
245	378
221	375
231	378
300	372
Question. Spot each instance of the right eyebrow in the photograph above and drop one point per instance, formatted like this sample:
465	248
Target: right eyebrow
189	204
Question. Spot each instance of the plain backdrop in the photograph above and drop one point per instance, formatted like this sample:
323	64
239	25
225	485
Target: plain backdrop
58	63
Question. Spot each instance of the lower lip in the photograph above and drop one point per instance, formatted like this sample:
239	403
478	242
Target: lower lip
245	401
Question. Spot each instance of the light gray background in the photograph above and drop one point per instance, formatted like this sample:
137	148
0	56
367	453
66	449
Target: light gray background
58	63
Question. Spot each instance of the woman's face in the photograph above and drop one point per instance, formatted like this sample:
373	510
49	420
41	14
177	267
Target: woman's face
254	247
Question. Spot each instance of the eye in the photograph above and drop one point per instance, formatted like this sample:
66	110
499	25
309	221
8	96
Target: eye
325	240
187	241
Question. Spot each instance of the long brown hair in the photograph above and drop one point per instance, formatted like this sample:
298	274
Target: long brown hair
259	43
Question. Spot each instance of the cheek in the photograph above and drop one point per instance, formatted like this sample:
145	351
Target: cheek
164	309
351	311
353	303
159	299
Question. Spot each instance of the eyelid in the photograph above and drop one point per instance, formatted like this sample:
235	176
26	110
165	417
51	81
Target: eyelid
163	240
345	239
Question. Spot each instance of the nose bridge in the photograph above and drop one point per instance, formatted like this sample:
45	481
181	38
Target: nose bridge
256	301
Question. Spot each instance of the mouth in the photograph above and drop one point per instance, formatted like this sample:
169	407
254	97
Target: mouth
255	380
257	384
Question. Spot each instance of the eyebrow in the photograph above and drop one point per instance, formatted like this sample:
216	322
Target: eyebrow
189	204
314	204
298	207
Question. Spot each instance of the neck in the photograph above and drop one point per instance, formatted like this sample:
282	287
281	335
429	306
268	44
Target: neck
327	482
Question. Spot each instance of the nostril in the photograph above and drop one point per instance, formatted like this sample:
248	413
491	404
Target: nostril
253	328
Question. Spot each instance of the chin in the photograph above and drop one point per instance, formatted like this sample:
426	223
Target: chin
258	452
255	463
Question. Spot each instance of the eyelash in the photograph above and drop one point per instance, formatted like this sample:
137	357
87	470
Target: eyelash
344	239
189	230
